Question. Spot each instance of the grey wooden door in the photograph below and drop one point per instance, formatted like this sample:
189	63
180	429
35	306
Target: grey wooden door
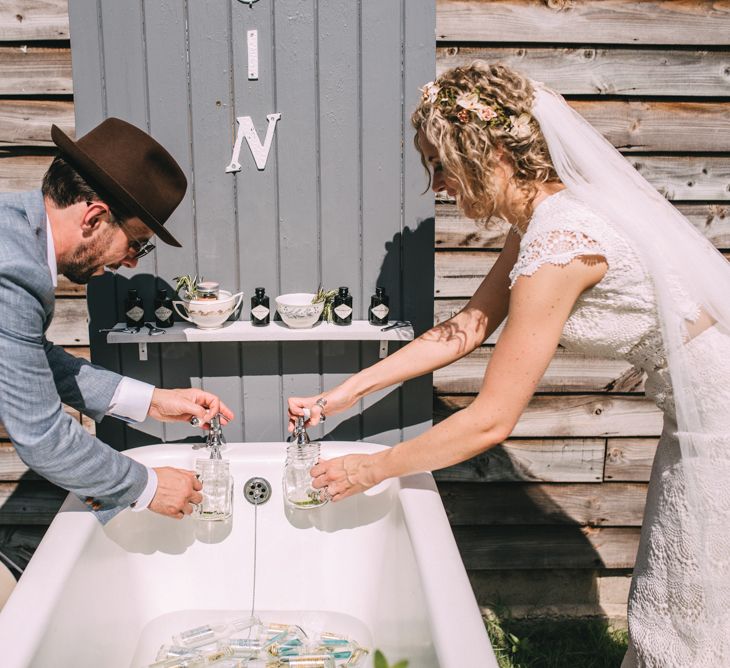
340	201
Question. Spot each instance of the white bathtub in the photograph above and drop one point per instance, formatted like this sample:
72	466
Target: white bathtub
382	567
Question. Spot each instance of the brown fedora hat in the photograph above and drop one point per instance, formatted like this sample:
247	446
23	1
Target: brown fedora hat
128	168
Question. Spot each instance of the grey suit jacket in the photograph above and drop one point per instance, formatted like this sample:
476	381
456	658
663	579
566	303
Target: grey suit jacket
36	376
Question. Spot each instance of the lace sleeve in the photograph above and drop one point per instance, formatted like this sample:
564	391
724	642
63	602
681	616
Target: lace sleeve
557	247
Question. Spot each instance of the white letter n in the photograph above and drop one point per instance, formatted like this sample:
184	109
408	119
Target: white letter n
247	131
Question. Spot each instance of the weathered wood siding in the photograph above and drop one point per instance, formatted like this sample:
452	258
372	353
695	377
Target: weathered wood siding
35	91
564	496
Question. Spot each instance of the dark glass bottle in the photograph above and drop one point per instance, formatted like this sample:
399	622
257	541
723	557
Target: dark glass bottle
133	309
164	315
342	307
379	307
260	313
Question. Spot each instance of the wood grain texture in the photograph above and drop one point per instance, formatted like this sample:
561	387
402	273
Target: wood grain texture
66	288
636	126
11	466
35	70
567	372
454	230
596	21
552	416
70	323
28	122
20	172
546	547
606	71
629	459
459	274
499	504
539	460
559	593
29	20
29	502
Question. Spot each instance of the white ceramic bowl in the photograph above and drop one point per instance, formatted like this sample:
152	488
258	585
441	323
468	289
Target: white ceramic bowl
209	313
297	311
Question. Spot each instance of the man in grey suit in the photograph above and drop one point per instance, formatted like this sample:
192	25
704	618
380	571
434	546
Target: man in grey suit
102	199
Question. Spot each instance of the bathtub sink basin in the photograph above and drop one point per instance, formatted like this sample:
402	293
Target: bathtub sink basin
382	567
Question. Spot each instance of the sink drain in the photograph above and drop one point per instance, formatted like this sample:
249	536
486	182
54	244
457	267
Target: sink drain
257	491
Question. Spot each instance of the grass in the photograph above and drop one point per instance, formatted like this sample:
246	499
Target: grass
550	643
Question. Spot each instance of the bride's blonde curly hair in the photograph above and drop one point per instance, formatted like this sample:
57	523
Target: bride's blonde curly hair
498	115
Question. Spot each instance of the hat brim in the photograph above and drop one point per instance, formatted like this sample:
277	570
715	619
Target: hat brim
100	179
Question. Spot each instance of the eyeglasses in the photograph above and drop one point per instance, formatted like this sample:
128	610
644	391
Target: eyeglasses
140	248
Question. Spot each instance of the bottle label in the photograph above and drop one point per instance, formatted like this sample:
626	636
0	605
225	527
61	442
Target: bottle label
162	313
259	312
135	314
380	311
343	311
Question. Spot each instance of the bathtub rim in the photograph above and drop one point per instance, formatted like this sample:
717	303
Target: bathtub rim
441	571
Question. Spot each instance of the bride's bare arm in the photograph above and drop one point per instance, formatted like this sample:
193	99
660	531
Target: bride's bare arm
439	346
539	306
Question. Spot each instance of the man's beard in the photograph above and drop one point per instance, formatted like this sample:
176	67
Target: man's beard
85	261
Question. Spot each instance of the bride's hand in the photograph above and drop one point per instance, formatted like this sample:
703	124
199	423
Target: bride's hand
320	406
346	476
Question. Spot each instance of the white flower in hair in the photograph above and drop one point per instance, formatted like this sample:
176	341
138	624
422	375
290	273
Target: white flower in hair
431	92
469	101
520	126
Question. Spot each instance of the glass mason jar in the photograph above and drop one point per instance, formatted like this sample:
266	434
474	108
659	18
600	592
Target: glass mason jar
217	503
297	482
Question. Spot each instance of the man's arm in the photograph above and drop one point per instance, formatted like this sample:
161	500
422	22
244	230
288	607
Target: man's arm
48	440
84	386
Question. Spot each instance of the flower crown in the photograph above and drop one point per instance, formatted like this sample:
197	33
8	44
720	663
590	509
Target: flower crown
475	107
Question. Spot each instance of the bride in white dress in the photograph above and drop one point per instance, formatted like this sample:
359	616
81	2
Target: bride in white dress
599	263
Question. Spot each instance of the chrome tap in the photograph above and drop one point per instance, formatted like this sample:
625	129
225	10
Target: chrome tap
214	439
299	435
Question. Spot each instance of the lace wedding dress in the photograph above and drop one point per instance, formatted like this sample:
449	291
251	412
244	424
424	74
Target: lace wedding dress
617	318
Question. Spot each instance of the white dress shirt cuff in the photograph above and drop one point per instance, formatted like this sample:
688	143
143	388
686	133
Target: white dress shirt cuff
148	493
131	400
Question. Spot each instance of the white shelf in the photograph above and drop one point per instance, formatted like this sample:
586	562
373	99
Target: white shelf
359	330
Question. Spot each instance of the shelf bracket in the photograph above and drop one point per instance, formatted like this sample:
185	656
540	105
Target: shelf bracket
383	352
143	351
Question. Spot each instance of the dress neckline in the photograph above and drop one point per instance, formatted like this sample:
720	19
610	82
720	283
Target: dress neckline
521	233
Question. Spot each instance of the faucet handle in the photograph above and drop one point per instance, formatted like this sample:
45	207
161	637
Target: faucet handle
299	435
214	439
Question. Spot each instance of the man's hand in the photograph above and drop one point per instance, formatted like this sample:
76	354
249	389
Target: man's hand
182	405
177	490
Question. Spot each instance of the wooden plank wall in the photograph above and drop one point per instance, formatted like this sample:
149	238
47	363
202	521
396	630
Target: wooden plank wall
35	91
558	507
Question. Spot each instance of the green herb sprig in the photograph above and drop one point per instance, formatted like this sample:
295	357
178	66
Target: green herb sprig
328	297
189	284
